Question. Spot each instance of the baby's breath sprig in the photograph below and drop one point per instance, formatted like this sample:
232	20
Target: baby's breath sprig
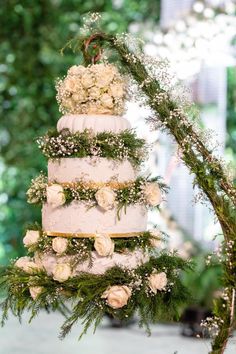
132	192
125	145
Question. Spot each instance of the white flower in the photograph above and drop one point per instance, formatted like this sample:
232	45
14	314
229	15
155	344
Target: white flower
106	100
62	272
31	237
27	264
155	240
105	198
76	70
71	84
116	90
35	291
59	244
69	105
87	80
104	245
104	74
80	96
157	281
94	92
117	296
55	195
95	108
152	193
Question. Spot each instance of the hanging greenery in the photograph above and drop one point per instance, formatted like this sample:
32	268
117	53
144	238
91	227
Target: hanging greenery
156	295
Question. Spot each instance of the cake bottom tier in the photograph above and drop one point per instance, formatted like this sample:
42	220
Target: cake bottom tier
97	265
77	218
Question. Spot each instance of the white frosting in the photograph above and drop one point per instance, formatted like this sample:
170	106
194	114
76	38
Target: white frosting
90	169
77	217
98	123
100	264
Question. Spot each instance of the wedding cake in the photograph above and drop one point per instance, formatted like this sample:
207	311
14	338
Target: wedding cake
91	99
93	246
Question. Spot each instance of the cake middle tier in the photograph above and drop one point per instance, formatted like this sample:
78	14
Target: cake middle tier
98	169
77	218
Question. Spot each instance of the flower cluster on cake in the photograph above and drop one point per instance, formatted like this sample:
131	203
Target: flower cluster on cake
93	246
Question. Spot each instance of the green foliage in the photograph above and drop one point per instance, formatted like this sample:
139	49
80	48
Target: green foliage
82	247
124	145
127	194
86	292
204	281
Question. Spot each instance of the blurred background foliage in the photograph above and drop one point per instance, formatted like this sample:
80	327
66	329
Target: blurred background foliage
32	34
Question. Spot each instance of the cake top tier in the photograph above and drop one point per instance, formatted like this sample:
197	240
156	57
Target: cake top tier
95	89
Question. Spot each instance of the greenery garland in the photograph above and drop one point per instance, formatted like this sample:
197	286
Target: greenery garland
86	291
124	145
82	247
131	193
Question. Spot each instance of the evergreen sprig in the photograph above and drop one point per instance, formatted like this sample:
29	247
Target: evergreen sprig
132	193
82	247
124	145
86	290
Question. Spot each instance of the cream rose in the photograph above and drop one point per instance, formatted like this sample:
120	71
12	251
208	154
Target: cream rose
70	84
62	272
152	194
27	265
94	93
157	281
117	296
59	245
105	198
35	291
31	237
155	240
55	195
76	70
95	108
87	80
104	75
80	96
104	245
106	100
117	90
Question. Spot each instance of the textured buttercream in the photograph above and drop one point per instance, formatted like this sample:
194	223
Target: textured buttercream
97	169
78	218
97	123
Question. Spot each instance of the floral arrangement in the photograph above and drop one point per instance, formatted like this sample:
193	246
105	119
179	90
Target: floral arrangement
37	241
96	89
153	289
143	191
124	145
